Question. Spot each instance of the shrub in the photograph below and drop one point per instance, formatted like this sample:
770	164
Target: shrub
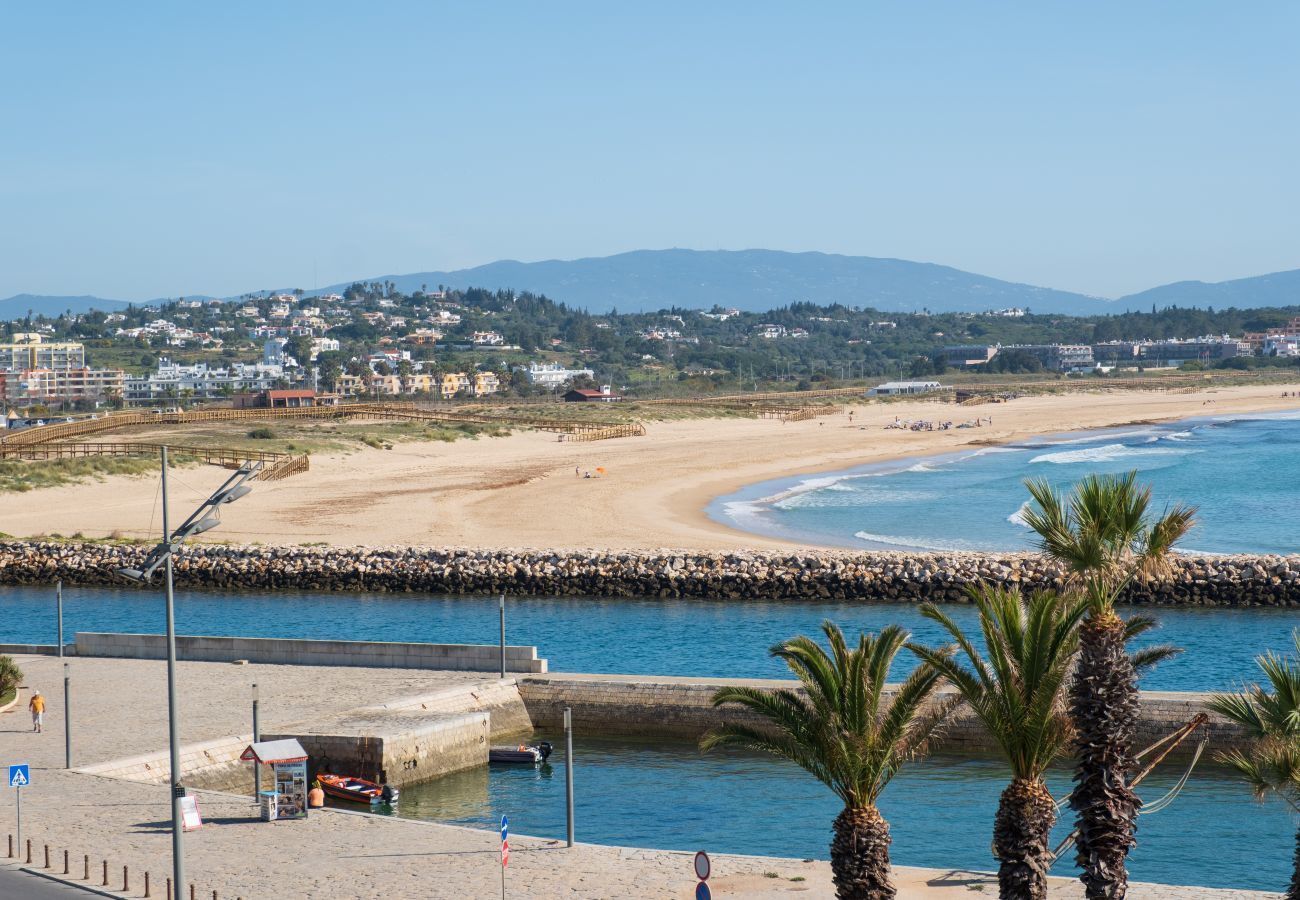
262	434
10	675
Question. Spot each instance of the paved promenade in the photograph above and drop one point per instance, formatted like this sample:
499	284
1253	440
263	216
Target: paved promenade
120	711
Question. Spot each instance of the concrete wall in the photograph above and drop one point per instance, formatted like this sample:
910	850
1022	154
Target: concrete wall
500	699
34	649
378	654
404	741
211	764
683	707
397	752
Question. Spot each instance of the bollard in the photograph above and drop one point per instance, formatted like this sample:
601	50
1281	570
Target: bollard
169	889
146	884
29	851
214	895
11	846
65	862
105	884
86	860
47	856
126	880
192	891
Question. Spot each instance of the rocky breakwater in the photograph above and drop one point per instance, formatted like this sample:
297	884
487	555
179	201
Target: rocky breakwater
829	575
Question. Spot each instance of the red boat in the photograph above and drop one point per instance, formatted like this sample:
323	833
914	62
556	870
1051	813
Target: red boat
358	790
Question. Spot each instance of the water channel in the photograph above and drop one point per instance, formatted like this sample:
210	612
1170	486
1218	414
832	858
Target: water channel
940	811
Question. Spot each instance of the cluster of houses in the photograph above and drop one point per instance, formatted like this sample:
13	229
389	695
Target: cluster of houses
36	371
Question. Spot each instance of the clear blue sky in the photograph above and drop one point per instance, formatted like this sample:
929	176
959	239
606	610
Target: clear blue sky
158	149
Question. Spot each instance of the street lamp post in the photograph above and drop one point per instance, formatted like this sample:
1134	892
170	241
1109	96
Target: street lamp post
67	684
206	517
257	736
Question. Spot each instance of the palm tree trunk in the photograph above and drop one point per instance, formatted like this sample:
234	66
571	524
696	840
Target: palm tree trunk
1293	892
1022	834
1104	707
860	855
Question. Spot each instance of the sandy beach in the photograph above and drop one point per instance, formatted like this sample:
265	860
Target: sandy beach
527	490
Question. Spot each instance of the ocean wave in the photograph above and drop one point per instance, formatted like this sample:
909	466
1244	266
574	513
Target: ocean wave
1018	517
1107	453
1178	436
745	512
905	543
1089	438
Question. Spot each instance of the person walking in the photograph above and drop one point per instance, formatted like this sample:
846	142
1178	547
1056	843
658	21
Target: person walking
37	706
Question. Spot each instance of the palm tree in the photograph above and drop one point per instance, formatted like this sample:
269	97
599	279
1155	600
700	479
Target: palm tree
1271	762
851	737
1018	694
1103	536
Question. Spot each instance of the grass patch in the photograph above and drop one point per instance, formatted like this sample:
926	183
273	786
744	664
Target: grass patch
9	695
20	476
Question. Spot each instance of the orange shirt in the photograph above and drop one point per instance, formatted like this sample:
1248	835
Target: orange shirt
38	704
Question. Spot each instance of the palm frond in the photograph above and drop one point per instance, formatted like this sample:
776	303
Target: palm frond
1270	763
841	725
1018	692
1102	535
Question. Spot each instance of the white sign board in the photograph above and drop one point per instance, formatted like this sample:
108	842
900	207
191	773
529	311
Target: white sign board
191	820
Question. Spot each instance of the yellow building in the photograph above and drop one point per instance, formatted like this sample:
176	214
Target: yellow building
486	383
418	383
348	384
453	383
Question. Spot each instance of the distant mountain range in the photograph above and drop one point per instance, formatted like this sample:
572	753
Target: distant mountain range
17	306
759	280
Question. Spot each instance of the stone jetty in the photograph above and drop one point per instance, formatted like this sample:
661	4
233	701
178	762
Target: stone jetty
753	575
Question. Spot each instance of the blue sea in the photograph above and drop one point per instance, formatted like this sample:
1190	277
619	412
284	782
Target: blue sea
1240	472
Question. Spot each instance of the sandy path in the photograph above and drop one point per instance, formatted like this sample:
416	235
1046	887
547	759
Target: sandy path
520	491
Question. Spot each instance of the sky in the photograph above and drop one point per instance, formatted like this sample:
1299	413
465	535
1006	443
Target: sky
156	150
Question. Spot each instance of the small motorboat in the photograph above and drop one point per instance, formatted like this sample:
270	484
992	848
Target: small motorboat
358	790
524	754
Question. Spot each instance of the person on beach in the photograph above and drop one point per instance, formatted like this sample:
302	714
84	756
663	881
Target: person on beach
316	796
37	706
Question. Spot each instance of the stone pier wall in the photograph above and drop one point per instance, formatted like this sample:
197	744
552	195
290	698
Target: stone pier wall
751	575
655	706
303	652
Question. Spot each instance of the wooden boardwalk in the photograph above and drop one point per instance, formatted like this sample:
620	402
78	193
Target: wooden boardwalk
583	429
274	465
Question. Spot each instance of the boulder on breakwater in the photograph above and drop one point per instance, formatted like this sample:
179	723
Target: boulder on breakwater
750	575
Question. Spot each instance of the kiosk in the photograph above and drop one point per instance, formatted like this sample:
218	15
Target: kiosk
288	799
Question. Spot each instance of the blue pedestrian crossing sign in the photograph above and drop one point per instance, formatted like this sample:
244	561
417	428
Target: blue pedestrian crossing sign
20	776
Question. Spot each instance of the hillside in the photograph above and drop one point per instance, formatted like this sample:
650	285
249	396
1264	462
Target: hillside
761	280
1274	289
754	281
17	306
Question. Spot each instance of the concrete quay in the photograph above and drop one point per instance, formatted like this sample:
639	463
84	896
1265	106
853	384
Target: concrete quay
120	710
294	651
683	707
